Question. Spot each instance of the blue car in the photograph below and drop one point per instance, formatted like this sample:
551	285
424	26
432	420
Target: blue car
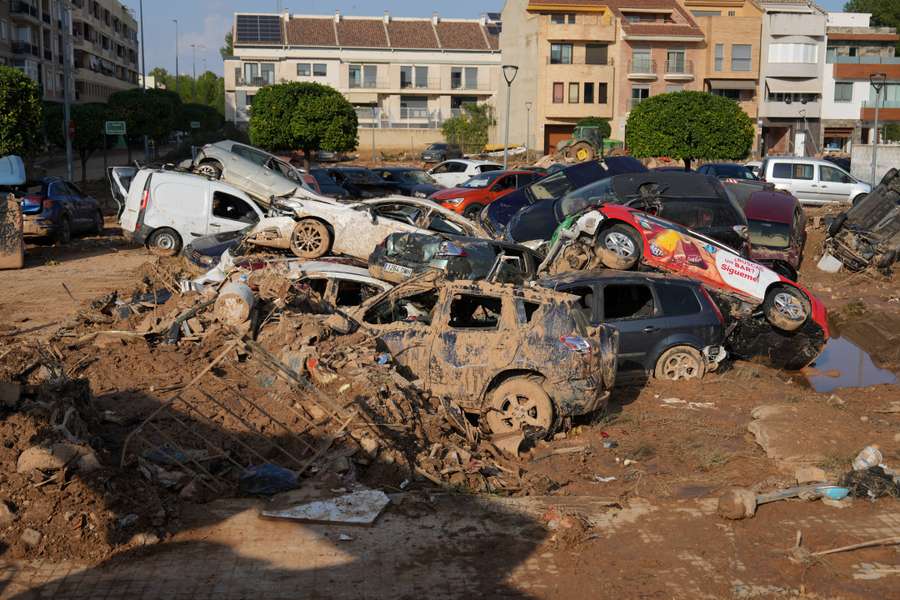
53	207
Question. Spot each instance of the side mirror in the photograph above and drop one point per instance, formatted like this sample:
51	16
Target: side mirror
743	231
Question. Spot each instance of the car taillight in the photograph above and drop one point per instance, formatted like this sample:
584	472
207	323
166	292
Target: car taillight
46	204
715	306
576	343
450	249
145	199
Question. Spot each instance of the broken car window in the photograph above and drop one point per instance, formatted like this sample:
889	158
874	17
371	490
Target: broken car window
442	225
677	300
475	312
353	293
226	206
418	308
627	302
585	301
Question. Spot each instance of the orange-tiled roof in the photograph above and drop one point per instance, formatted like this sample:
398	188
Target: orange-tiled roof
361	33
683	25
462	35
411	34
311	31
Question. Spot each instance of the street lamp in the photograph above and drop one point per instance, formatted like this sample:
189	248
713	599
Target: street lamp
877	81
194	68
509	74
176	55
528	106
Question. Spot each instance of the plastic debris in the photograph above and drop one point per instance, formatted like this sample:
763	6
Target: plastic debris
357	508
266	480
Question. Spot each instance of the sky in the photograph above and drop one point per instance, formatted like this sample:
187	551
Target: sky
205	22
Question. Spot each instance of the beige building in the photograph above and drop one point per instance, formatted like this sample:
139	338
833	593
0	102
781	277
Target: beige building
404	76
104	46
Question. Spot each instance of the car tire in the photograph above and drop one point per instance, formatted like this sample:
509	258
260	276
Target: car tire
97	225
472	211
519	403
786	307
859	199
836	225
310	239
619	247
164	242
64	231
680	362
209	168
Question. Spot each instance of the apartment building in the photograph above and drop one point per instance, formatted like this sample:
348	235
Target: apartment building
855	52
31	41
792	62
105	49
402	75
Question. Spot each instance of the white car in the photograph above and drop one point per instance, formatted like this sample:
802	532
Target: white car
452	173
318	227
813	181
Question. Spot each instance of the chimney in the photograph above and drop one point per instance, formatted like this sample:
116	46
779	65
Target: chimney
387	17
435	19
337	16
484	19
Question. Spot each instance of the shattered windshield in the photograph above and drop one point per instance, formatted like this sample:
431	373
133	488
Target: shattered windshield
552	186
590	195
771	235
417	177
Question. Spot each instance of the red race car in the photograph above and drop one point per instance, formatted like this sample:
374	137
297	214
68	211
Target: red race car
772	315
469	198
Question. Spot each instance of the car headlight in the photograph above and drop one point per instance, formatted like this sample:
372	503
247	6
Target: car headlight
453	201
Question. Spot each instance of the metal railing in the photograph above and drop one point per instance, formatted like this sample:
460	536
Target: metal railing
367	84
882	104
470	85
679	67
642	66
255	81
864	60
25	48
431	83
583	61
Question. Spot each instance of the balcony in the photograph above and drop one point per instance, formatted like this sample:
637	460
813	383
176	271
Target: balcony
470	86
581	62
642	69
48	55
255	81
888	110
368	84
602	31
432	83
679	70
864	60
24	11
25	48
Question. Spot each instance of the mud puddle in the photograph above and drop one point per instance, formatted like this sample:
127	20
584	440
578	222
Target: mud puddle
843	364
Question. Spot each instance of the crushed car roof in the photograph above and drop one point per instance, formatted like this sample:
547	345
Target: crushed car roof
673	184
771	206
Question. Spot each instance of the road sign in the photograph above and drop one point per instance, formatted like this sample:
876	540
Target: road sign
114	128
195	124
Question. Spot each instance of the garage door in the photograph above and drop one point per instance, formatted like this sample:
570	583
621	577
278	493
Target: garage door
554	134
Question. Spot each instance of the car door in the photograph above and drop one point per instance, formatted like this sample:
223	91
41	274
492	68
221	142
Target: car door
84	207
229	212
57	191
834	184
802	178
454	174
502	186
632	308
120	179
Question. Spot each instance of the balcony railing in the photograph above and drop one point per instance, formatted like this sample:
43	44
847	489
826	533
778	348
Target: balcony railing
583	61
23	9
367	84
482	86
678	67
255	81
642	67
25	48
432	83
882	104
864	60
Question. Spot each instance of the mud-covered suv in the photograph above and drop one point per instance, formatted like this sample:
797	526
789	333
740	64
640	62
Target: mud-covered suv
523	358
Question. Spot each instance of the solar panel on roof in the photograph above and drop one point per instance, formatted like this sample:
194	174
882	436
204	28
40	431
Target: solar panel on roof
258	28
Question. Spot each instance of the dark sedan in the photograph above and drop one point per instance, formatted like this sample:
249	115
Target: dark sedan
410	181
499	213
327	185
440	152
362	183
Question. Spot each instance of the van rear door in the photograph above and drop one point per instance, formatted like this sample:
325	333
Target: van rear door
128	217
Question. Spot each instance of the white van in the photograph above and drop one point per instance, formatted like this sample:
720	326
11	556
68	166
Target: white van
165	210
813	181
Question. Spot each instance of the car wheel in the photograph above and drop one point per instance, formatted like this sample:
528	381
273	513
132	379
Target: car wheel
164	242
518	403
97	226
680	362
619	247
836	225
473	211
64	231
786	307
310	239
859	199
210	169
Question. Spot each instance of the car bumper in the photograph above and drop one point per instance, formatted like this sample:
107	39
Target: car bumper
35	225
578	397
714	355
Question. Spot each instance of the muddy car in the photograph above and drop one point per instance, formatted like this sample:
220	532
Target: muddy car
522	358
777	226
869	233
622	238
404	255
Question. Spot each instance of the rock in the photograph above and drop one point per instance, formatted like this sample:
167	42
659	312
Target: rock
38	457
10	394
897	437
143	539
369	445
127	521
31	537
810	475
845	503
864	419
341	464
89	462
7	514
737	503
66	452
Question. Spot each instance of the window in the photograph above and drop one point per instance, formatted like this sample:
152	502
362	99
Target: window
475	312
232	208
560	54
784	170
596	54
627	302
558	92
558	18
471	78
406	77
677	300
741	57
570	18
573	93
418	308
354	293
706	13
794	53
361	76
674	87
4	30
675	62
832	175
720	57
843	91
638	94
320	70
317	285
730	94
640	61
588	92
456	78
254	156
421	77
603	93
303	69
413	107
267	73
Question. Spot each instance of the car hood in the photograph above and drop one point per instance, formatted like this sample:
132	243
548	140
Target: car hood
535	222
454	192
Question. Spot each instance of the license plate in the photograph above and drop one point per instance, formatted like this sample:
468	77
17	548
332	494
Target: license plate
400	269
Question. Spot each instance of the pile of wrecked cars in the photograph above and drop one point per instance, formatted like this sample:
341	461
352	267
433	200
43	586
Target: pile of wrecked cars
527	316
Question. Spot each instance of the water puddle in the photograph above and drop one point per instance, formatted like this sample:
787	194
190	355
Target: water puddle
843	364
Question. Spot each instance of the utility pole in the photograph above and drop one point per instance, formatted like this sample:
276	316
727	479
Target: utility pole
527	128
67	85
877	80
144	76
177	86
194	71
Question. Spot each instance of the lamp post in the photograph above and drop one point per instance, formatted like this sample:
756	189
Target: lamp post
877	81
194	68
176	55
527	127
509	74
144	77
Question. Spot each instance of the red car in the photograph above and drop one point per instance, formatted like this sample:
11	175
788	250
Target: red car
777	227
469	198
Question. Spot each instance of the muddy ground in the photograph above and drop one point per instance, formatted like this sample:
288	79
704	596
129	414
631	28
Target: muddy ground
561	528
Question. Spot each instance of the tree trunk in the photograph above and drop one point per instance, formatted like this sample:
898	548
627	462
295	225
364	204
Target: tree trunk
306	161
687	164
84	158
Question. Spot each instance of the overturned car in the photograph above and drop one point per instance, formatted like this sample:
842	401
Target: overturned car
868	235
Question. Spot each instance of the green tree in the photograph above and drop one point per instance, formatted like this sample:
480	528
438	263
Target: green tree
208	89
892	132
300	115
687	126
152	112
20	114
228	49
603	124
470	129
885	13
208	117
